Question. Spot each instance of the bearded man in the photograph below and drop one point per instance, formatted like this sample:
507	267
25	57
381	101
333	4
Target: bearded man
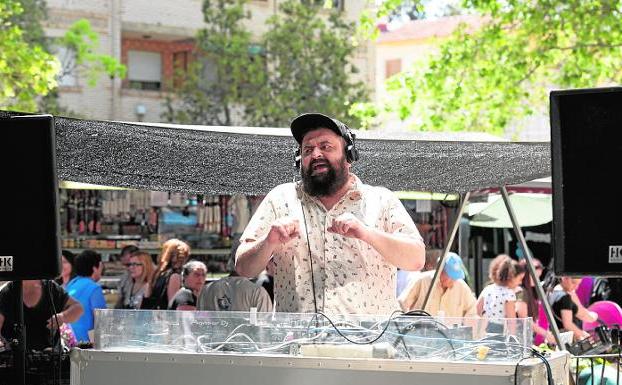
334	242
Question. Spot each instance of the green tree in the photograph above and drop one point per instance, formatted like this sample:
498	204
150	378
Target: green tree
27	70
308	58
223	73
483	80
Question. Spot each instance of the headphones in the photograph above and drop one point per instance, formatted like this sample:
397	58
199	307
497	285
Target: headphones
352	153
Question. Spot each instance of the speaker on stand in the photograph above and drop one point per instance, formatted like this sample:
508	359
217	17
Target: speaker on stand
30	228
586	148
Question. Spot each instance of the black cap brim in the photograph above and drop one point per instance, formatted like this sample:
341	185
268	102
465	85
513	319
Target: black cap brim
310	121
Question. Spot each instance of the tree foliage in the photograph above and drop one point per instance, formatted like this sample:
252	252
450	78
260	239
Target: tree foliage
308	52
223	73
302	63
83	42
27	70
482	80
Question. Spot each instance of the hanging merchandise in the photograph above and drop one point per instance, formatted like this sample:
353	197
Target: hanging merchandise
158	198
216	223
152	221
239	209
70	209
200	212
178	199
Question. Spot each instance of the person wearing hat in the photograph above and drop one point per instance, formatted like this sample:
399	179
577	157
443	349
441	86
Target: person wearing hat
335	242
450	297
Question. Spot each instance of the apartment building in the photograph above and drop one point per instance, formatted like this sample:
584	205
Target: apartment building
399	49
154	38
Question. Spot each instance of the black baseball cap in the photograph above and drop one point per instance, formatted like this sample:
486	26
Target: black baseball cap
311	121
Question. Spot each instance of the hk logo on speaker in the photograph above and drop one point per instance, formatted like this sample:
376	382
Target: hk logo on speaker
6	263
615	254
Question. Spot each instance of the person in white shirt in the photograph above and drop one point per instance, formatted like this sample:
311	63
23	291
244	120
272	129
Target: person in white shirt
335	241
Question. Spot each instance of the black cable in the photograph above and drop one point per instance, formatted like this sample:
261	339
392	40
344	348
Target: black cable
358	342
400	338
418	313
304	219
428	319
549	371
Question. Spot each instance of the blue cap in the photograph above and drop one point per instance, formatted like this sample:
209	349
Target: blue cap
453	266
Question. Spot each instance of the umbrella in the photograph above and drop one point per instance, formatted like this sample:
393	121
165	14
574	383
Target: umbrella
530	209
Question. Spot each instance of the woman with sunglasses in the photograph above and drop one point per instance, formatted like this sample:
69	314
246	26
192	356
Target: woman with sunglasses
138	285
528	305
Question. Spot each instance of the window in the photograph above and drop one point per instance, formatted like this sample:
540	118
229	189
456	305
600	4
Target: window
181	61
144	70
67	77
392	67
335	4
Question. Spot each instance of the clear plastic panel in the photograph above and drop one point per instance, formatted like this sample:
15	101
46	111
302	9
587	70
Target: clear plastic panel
314	335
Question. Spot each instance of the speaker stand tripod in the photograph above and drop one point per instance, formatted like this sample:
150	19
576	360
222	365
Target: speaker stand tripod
18	344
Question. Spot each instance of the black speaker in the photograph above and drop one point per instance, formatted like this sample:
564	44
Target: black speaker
586	147
29	219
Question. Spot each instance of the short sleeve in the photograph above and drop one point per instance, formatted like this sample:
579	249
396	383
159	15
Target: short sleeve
413	293
398	219
260	223
509	295
97	299
59	295
262	300
565	302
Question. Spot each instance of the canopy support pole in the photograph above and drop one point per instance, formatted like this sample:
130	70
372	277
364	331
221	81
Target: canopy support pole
531	269
450	241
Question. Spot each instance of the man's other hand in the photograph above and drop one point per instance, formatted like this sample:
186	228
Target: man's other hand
283	230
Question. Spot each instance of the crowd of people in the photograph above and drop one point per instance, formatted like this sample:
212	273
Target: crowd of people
327	243
510	293
177	283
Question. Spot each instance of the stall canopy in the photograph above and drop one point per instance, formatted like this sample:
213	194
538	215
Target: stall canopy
531	210
226	160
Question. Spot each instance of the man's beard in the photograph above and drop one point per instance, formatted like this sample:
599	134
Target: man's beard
327	183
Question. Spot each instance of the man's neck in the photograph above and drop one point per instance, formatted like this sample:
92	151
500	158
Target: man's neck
331	200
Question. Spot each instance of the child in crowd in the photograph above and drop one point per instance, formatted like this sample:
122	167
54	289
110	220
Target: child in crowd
498	300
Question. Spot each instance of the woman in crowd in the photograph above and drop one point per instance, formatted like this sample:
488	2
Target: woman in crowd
39	298
193	278
527	304
68	271
138	286
567	309
497	300
167	278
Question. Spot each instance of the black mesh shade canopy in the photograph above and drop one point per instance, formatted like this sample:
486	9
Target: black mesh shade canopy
227	160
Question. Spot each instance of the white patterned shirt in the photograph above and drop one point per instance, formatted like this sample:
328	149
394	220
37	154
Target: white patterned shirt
350	276
495	297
